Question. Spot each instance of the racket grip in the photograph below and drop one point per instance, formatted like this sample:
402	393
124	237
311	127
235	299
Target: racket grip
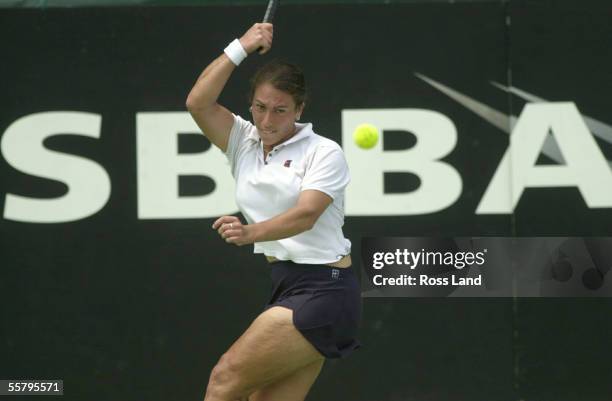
269	15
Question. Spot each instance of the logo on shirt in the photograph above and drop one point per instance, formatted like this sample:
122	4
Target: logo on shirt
335	274
287	163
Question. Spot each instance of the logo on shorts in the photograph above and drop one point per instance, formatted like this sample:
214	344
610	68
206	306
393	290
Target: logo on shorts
335	274
287	163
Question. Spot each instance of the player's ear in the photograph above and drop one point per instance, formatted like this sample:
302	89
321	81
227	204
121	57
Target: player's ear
300	110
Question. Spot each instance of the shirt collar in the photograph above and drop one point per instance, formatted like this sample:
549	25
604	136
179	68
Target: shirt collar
303	131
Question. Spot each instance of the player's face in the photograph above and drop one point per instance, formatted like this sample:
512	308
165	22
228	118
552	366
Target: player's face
274	113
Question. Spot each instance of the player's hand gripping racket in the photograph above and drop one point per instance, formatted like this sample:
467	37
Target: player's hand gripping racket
269	15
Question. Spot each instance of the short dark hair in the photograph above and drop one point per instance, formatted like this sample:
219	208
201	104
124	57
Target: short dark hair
283	76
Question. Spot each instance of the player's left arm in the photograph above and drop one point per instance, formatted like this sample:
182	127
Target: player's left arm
325	179
302	217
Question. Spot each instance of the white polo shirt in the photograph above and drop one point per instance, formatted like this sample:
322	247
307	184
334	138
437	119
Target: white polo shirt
267	188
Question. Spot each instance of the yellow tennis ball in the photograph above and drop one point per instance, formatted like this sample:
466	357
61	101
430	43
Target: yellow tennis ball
365	136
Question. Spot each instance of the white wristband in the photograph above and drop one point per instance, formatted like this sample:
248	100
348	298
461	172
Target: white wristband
235	52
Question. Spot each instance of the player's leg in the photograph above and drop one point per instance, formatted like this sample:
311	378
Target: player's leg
269	350
294	387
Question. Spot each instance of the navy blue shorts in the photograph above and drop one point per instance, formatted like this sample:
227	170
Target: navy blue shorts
326	304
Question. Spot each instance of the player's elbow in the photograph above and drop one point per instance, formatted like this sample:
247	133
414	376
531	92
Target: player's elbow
196	101
199	105
190	103
309	218
308	225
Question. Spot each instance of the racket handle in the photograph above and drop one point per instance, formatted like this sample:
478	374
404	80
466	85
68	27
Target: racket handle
269	15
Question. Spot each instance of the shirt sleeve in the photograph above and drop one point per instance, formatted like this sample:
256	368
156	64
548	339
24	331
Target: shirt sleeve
236	141
328	172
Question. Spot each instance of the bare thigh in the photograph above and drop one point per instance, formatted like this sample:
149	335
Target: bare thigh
269	350
294	387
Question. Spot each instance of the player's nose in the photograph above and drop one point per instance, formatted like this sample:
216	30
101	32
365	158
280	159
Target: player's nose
265	119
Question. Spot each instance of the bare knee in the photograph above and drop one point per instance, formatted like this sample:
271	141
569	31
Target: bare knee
224	381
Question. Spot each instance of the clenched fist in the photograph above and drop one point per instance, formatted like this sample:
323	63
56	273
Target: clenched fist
233	231
258	36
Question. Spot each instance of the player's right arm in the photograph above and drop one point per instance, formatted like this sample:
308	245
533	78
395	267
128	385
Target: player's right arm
214	120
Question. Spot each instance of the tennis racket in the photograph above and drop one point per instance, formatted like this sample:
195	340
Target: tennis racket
269	15
270	10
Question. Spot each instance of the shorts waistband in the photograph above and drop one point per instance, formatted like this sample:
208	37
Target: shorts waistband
343	262
313	269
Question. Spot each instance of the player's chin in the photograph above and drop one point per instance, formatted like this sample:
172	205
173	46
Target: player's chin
270	140
266	133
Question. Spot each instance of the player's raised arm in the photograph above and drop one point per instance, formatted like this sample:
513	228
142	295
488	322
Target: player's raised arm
214	120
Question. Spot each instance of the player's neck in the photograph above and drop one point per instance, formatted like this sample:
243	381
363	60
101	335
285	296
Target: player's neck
268	148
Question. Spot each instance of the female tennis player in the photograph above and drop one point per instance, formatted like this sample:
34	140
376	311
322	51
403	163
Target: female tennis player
290	189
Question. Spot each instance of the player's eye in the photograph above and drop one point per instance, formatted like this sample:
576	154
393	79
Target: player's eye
280	111
260	107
